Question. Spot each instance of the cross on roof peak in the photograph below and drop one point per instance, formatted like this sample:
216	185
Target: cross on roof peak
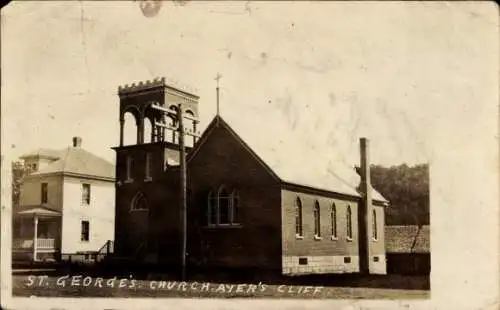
217	78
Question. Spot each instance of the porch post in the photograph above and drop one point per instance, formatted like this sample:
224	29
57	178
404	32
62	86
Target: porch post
35	237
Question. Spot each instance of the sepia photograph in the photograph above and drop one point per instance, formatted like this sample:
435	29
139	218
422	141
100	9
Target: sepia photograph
258	150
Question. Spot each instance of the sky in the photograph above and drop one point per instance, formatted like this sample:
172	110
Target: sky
399	74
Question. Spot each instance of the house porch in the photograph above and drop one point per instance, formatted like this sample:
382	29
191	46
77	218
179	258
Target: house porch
36	235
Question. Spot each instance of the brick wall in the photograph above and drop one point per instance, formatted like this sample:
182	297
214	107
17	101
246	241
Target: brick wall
312	255
376	248
256	243
156	227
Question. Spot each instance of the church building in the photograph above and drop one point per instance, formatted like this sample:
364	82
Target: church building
247	208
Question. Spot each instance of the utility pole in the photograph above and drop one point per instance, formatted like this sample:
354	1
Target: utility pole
179	116
183	190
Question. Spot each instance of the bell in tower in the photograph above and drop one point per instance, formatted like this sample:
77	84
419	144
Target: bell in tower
147	102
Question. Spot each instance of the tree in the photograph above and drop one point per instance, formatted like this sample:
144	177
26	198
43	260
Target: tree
407	189
19	171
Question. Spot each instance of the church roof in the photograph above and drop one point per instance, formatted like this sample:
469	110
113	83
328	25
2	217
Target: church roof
78	161
293	163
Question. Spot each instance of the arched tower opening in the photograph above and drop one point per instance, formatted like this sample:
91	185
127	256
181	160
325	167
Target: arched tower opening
154	105
130	127
148	131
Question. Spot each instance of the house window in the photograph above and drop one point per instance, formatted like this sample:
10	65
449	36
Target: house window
349	222
85	231
333	218
130	163
45	192
148	167
374	225
317	220
85	194
298	217
223	209
139	203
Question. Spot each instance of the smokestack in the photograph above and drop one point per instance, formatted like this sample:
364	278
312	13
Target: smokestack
365	207
365	168
77	142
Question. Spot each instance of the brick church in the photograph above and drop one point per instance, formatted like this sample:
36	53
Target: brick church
246	208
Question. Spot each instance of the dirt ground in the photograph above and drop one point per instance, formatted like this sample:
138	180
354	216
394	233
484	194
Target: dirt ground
86	286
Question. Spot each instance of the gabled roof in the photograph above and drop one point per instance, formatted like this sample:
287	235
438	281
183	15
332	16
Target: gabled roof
78	161
407	239
290	162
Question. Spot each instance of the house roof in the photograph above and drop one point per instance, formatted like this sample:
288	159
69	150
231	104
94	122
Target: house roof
407	239
293	163
39	210
43	153
78	161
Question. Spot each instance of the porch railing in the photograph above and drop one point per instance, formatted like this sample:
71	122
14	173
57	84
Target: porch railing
45	243
41	244
105	250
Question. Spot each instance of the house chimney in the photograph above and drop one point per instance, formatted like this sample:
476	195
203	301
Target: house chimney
365	207
77	142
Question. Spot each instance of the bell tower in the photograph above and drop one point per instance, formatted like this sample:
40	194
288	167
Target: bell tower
148	172
140	99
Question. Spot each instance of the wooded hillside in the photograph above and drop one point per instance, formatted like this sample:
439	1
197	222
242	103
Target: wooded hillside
407	189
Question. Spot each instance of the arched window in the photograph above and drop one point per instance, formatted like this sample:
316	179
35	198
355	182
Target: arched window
374	225
223	208
349	222
211	209
235	207
333	218
317	220
298	217
139	203
224	200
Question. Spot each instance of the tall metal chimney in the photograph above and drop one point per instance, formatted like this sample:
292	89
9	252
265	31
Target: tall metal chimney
365	207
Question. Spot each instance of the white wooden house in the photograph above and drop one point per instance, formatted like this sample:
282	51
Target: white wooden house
66	205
